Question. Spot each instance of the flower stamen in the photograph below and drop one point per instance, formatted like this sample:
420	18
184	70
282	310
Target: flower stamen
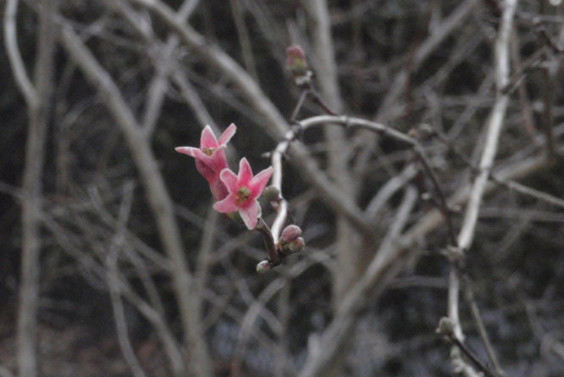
243	195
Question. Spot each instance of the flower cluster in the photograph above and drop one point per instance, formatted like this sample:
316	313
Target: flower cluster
232	192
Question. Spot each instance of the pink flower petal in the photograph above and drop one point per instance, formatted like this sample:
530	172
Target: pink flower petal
227	205
186	150
229	179
218	189
199	155
208	173
208	140
227	134
250	215
245	172
260	180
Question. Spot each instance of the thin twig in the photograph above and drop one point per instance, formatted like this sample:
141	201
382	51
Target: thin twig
12	49
509	184
274	124
470	300
244	39
111	262
317	99
357	296
273	255
156	192
395	134
548	119
299	105
73	246
469	354
494	127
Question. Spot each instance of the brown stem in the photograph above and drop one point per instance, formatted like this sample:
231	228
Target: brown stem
317	99
273	255
443	206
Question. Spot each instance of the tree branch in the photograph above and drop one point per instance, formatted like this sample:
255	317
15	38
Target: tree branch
156	192
271	119
494	126
14	56
37	98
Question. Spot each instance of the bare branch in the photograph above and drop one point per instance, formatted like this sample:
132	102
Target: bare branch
38	105
156	191
273	121
114	286
4	372
494	126
14	56
244	39
448	26
357	296
72	245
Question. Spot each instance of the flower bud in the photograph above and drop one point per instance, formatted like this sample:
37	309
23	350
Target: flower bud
297	64
296	245
263	266
446	326
290	233
271	194
296	61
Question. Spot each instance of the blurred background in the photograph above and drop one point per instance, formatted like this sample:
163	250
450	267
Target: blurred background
113	262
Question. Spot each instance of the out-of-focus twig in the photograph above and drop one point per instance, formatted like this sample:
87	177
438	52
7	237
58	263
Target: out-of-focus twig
274	122
5	372
14	56
156	192
357	296
238	12
73	246
37	96
111	262
496	179
450	24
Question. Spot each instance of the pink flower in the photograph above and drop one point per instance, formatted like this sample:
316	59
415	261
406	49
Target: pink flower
243	192
210	157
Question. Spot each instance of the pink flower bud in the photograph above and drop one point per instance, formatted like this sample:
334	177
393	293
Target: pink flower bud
263	266
290	233
296	61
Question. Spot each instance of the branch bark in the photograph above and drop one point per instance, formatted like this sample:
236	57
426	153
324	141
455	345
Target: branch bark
349	251
37	95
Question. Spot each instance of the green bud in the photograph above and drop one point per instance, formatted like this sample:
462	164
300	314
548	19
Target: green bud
271	194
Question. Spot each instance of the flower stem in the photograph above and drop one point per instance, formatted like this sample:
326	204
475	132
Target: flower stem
273	256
